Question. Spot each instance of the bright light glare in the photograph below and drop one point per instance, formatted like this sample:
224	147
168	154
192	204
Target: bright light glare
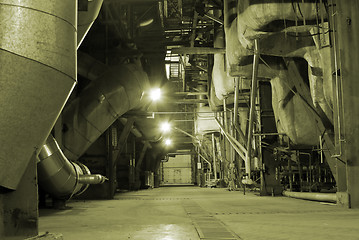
165	127
168	142
155	94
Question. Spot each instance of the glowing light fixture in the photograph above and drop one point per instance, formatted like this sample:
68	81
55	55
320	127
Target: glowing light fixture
155	94
165	127
168	142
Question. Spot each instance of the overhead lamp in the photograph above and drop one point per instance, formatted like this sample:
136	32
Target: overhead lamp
168	141
155	94
165	127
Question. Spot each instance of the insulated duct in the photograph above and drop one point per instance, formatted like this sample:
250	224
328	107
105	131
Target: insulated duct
205	121
60	177
254	19
292	115
117	91
37	40
283	30
92	69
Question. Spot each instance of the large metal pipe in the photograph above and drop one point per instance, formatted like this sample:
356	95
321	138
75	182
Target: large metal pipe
252	17
252	106
119	90
86	19
60	177
322	197
230	12
214	157
93	69
37	74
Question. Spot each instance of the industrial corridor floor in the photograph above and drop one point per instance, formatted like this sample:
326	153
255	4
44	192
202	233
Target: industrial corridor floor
172	213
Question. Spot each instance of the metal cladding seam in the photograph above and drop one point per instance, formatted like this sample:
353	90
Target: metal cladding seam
37	75
60	177
116	92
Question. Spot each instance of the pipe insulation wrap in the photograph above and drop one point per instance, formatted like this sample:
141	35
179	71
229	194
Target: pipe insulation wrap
60	177
253	18
117	91
37	40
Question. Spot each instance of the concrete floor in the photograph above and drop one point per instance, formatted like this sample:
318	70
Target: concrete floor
173	213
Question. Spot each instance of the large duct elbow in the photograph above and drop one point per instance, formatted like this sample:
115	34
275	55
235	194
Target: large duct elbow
117	91
61	178
254	19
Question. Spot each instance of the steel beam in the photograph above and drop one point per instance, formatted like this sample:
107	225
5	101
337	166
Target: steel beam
122	140
198	50
348	38
142	155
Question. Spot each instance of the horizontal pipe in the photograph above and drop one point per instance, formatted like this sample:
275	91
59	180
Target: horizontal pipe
92	179
268	134
191	93
188	101
322	197
198	50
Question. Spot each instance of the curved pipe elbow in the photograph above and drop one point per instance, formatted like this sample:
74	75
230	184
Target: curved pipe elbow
60	177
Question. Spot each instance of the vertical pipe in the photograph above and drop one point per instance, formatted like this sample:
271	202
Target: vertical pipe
290	174
230	12
214	157
252	106
310	173
236	93
236	125
300	171
226	129
225	115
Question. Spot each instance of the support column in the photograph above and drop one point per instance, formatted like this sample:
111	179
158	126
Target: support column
19	212
348	40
